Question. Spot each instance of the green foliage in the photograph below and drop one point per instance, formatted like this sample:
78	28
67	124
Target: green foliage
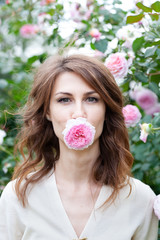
147	155
135	18
143	7
153	12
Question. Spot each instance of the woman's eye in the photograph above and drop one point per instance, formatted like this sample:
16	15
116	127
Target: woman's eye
92	99
64	100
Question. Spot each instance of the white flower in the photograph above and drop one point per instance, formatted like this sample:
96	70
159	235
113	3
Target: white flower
2	135
6	166
128	33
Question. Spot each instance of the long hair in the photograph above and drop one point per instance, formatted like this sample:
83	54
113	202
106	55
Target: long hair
38	143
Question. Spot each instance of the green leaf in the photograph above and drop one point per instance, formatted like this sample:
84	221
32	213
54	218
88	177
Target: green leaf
157	43
158	51
10	141
92	46
145	166
154	87
59	7
137	44
136	18
141	77
106	14
51	11
156	6
101	45
32	59
155	78
150	52
136	166
154	16
143	7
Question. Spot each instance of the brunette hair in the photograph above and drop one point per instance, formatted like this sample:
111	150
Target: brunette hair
38	139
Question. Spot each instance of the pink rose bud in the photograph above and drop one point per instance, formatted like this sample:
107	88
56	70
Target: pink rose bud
117	64
28	30
132	115
78	134
95	34
156	206
146	129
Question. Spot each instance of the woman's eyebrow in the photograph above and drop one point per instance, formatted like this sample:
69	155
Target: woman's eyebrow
66	93
69	94
90	92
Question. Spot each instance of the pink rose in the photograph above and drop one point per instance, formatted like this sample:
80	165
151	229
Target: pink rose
146	129
28	30
132	115
154	109
117	64
95	34
78	134
156	206
145	98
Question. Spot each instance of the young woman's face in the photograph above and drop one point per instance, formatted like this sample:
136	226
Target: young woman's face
71	98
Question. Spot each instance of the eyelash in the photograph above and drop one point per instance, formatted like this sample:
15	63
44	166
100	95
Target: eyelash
92	99
88	99
64	100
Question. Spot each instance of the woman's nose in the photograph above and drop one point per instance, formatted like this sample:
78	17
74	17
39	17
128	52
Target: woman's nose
79	111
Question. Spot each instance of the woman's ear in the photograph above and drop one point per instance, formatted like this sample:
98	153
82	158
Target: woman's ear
48	117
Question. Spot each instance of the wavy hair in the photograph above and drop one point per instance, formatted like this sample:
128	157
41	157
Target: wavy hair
38	143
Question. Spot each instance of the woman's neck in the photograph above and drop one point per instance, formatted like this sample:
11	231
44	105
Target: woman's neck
76	165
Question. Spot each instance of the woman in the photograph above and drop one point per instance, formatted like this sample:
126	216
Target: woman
75	182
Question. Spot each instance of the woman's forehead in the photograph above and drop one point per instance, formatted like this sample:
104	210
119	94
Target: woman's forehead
71	80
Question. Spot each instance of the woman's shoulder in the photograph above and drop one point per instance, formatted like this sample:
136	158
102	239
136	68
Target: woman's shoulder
8	195
9	191
140	186
140	190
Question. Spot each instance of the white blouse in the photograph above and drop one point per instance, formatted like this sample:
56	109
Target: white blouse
44	218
